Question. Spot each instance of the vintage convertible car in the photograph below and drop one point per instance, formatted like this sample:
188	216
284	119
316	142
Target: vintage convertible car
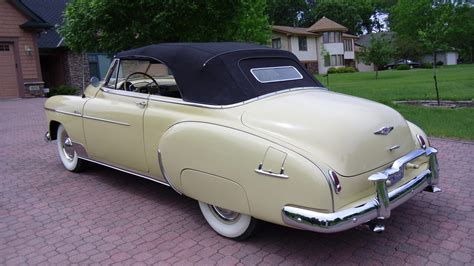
247	132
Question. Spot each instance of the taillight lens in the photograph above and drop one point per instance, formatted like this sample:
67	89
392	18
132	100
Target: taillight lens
422	141
335	181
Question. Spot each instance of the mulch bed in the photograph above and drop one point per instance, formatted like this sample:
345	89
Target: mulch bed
443	104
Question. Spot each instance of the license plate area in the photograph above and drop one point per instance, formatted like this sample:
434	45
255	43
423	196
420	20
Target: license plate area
397	176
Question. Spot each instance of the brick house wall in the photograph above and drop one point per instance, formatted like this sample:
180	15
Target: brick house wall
24	44
76	70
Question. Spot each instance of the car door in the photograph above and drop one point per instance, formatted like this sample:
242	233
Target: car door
113	126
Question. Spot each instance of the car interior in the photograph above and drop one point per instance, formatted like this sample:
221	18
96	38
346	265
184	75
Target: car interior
144	76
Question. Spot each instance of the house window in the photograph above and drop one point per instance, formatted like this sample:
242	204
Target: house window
337	60
4	47
276	43
303	43
332	37
348	45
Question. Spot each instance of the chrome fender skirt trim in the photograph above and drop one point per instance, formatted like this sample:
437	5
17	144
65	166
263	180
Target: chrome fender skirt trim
378	207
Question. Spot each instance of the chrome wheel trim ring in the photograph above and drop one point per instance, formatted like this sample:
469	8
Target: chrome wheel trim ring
225	214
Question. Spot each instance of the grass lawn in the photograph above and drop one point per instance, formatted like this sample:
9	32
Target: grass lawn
454	83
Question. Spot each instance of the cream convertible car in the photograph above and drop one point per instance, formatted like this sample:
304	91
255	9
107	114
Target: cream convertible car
247	132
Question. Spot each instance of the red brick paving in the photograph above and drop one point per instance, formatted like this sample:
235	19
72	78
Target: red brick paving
51	216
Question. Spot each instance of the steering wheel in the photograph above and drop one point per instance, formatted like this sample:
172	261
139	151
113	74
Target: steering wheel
128	86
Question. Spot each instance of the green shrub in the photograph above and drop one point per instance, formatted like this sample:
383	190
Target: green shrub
403	67
439	63
62	90
426	65
335	70
332	70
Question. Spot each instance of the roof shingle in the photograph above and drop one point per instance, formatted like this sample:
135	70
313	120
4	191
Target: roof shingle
325	24
51	11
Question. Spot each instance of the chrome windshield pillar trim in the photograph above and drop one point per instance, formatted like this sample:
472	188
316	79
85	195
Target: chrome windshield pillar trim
163	172
378	207
106	120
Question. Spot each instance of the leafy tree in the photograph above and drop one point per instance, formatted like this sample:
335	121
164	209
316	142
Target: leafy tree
406	47
114	25
287	12
355	15
379	53
434	25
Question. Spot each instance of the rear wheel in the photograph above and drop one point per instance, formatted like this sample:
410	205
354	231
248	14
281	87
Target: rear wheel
228	223
66	151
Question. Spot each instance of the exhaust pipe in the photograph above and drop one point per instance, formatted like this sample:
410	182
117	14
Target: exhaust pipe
376	226
432	189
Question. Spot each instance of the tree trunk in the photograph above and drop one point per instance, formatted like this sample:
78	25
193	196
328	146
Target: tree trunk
376	72
434	77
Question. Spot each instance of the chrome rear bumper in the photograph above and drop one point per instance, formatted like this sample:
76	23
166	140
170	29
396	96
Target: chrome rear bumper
378	207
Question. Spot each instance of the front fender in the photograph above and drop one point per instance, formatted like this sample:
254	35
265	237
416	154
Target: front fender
66	110
217	165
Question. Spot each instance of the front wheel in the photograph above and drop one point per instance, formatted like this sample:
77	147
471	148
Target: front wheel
228	223
66	151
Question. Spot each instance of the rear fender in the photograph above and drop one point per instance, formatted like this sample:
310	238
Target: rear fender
217	165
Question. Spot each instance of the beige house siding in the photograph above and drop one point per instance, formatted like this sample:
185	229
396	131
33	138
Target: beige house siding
285	45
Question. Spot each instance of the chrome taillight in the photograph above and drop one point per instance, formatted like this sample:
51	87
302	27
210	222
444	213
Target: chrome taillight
422	141
335	181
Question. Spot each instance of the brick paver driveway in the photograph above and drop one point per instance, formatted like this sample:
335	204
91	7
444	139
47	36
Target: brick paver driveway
51	216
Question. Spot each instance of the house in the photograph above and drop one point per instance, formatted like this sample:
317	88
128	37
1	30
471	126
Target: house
446	57
59	65
20	71
364	41
323	45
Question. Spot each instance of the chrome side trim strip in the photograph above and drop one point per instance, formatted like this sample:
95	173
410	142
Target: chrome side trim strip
180	101
163	172
124	170
78	114
126	93
106	120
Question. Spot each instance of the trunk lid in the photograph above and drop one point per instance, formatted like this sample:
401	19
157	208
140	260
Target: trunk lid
333	128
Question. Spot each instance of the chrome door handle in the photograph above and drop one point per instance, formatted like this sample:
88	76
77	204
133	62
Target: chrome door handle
141	104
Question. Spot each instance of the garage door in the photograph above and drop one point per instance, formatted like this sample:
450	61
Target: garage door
8	79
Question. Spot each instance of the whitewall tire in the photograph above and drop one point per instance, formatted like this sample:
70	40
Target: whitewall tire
66	151
228	223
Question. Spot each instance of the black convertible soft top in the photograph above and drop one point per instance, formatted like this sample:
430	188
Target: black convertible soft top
220	73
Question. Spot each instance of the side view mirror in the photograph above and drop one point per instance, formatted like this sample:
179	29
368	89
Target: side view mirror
94	81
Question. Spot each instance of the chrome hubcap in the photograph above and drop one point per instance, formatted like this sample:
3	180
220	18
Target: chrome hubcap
68	150
225	214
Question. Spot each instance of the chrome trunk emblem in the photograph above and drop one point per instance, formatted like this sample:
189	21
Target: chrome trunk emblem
384	131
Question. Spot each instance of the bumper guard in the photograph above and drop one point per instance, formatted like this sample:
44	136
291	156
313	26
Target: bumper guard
378	207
